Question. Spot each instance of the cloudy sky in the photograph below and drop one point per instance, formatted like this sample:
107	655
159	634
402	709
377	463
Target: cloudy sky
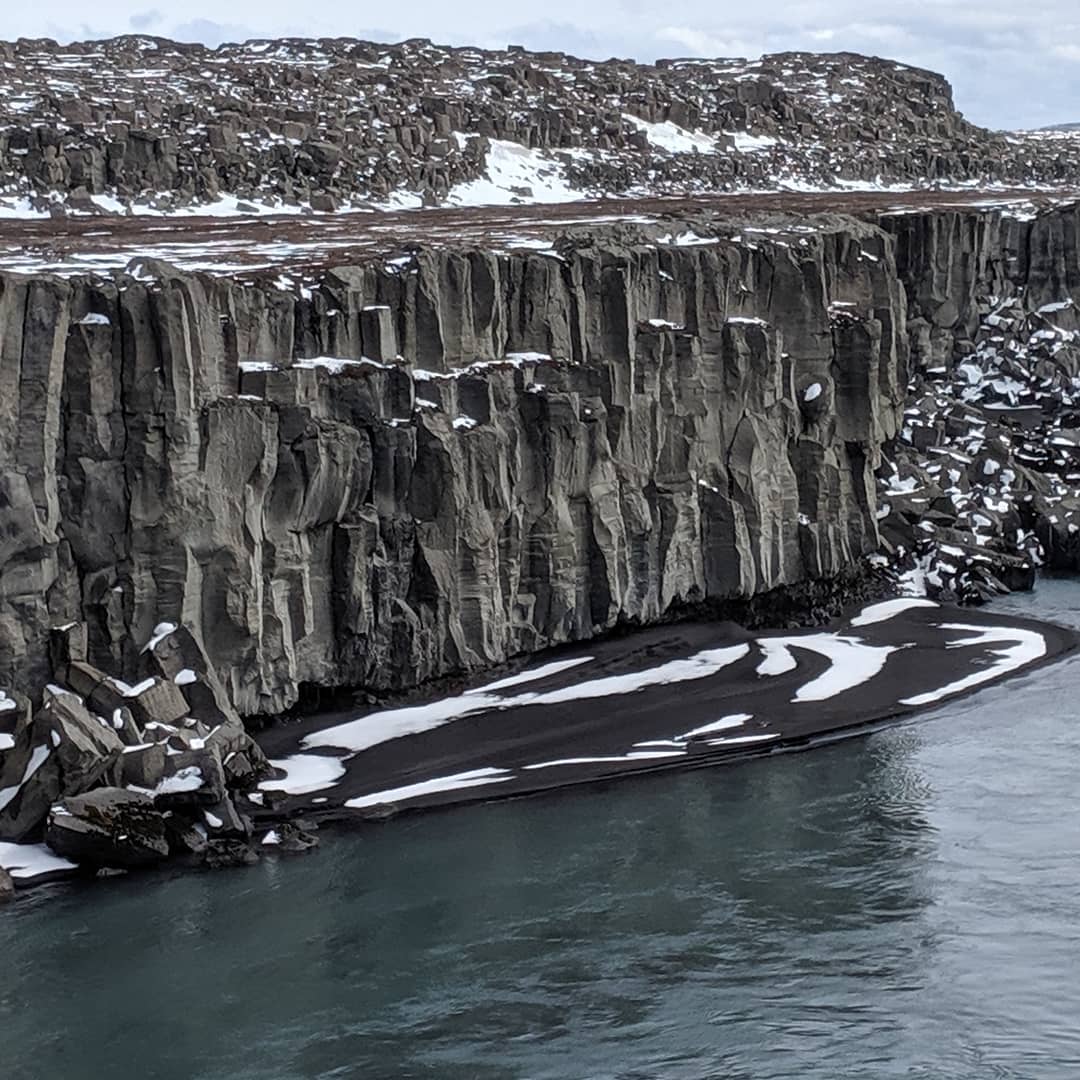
1010	65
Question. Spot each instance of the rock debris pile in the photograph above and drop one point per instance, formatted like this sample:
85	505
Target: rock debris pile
117	775
982	485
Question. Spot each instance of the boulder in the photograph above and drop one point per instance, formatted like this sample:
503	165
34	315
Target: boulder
224	820
85	746
178	657
185	837
108	827
192	779
14	716
244	761
124	725
67	644
160	702
290	838
29	785
143	766
222	854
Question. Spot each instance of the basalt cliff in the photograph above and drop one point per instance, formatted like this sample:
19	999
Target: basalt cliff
427	463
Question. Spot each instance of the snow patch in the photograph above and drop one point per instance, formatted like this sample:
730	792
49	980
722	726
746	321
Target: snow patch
1018	649
672	138
24	862
515	174
472	778
889	609
305	773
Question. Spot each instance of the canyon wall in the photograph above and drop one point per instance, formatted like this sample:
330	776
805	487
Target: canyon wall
525	449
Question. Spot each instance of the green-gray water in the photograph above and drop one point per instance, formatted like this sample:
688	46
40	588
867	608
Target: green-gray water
903	905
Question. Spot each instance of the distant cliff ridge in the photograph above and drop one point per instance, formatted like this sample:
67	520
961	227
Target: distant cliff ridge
150	124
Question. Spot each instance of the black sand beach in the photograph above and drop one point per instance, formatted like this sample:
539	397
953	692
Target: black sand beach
683	696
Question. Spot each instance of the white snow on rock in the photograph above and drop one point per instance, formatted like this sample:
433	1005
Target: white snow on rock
7	742
742	740
725	723
672	138
777	658
94	319
335	365
132	691
687	238
515	174
305	773
20	209
615	759
189	779
185	677
472	778
6	703
38	757
748	144
889	609
812	392
1018	648
542	672
161	632
24	862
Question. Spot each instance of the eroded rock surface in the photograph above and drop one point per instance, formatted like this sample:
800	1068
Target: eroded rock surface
98	127
427	464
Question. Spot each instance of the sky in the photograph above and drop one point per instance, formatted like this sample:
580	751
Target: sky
1010	66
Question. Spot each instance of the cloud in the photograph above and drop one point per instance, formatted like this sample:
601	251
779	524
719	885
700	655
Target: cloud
145	20
213	33
705	43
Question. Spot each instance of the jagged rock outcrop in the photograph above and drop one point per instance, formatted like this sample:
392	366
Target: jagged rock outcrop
324	123
569	440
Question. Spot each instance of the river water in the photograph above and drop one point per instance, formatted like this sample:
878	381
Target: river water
900	905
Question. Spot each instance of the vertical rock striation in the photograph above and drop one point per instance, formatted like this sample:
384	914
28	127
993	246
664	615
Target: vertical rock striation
507	450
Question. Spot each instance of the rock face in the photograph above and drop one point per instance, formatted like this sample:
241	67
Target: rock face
981	488
507	451
322	123
422	465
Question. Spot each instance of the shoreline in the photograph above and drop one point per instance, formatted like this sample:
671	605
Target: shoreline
863	712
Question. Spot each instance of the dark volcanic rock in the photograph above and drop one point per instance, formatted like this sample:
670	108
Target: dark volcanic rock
85	747
542	463
320	123
108	827
223	854
7	887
